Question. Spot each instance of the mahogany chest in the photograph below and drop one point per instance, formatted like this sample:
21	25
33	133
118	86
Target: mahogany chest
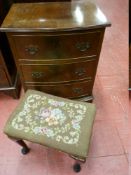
56	46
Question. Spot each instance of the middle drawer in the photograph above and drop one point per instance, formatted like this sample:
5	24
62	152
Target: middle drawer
53	73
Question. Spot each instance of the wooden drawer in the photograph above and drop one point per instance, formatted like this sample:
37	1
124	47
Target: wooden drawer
69	90
53	73
3	78
62	46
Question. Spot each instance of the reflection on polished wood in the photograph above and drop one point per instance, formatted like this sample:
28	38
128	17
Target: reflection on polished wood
54	16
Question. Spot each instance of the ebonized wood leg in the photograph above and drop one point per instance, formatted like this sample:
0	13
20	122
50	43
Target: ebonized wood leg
78	162
77	167
25	148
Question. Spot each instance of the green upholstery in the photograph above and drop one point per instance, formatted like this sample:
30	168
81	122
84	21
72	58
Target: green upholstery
53	121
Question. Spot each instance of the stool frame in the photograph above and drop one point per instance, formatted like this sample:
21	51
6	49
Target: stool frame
25	150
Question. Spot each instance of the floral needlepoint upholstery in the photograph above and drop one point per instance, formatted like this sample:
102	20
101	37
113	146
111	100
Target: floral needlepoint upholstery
53	121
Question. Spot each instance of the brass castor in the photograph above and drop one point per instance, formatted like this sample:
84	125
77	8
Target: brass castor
77	167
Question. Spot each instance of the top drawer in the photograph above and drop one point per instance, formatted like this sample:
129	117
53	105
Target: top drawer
63	46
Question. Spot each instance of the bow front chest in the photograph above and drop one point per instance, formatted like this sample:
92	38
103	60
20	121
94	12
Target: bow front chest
56	46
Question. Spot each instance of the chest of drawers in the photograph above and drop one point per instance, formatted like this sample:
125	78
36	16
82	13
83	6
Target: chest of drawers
56	46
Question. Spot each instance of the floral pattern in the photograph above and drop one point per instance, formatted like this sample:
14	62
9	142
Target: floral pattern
56	119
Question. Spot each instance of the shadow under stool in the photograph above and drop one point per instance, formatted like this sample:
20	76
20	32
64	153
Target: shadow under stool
55	122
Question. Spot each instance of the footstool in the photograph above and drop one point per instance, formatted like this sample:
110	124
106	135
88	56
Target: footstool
55	122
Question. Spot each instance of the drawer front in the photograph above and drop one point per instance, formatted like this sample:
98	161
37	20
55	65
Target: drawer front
58	72
37	47
72	90
3	79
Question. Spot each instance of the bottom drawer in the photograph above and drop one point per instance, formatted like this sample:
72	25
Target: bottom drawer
70	90
3	79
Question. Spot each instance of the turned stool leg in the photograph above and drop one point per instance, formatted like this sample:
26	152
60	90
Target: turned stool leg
78	162
25	148
77	167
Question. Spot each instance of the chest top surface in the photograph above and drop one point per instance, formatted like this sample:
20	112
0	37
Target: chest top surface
54	16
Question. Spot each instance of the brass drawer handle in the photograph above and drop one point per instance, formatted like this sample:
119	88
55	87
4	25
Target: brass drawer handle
83	46
77	90
32	50
80	71
37	74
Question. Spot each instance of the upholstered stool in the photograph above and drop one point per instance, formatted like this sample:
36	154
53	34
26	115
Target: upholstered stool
55	122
